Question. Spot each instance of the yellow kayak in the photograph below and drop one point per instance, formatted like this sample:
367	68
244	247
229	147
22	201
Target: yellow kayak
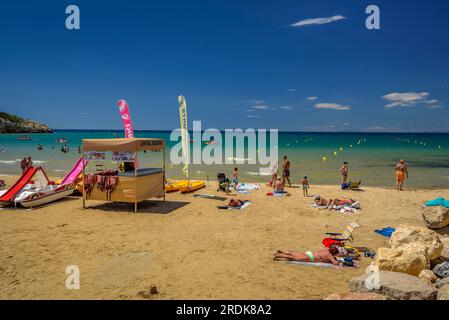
174	185
192	186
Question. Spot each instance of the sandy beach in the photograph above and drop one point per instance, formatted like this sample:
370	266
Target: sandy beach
188	247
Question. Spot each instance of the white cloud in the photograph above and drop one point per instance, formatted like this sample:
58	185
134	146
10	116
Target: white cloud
313	98
317	21
260	107
292	90
405	99
252	116
286	108
346	124
333	106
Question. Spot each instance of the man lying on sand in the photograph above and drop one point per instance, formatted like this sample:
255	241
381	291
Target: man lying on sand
237	203
323	255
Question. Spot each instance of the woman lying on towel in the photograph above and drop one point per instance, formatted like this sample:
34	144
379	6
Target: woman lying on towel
323	255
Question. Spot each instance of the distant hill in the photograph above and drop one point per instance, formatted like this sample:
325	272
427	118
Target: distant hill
10	123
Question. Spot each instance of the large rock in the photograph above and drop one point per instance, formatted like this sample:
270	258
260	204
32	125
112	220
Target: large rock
410	258
428	276
444	255
409	234
395	285
435	217
356	296
443	293
441	282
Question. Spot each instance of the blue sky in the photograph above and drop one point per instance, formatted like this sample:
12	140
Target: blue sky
238	63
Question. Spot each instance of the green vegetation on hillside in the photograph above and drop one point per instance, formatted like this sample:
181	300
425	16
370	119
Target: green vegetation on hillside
10	117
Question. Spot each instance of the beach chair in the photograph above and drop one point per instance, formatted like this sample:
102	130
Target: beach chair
355	185
346	235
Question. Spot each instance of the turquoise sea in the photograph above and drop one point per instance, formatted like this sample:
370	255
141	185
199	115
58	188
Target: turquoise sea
372	156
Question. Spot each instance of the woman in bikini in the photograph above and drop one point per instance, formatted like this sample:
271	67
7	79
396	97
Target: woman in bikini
401	174
323	255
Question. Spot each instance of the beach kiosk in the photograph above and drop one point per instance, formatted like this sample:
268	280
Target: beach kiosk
129	184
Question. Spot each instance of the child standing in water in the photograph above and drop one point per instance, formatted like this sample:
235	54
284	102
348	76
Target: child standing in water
305	186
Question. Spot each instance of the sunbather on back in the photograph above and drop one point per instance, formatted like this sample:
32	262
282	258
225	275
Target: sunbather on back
237	203
323	255
338	203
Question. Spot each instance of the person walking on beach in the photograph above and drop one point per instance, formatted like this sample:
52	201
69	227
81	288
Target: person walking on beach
401	174
23	164
29	162
286	171
305	186
344	170
235	177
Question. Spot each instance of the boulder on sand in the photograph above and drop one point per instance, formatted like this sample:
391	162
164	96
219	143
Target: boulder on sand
444	255
410	234
443	293
435	217
356	296
428	276
395	285
410	258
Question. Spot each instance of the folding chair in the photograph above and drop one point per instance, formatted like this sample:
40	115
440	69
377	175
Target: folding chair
346	235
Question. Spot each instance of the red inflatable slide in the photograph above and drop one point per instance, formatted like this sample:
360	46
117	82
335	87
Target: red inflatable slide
8	197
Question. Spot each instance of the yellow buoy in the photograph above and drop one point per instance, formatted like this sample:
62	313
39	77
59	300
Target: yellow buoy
324	158
335	153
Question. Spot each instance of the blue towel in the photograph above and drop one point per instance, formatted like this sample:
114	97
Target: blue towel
437	202
386	232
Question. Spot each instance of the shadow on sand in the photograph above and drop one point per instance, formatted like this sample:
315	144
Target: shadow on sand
147	206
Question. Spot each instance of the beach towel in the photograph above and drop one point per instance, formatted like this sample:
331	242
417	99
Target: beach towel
386	232
243	192
437	202
314	264
277	194
246	204
247	187
209	196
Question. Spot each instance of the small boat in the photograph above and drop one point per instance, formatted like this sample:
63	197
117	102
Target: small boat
62	140
175	185
32	196
192	185
24	138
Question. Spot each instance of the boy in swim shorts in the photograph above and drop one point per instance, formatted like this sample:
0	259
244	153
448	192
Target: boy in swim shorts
305	186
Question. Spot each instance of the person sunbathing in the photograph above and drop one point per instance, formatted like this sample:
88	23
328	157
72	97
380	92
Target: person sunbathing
320	201
338	203
324	255
237	203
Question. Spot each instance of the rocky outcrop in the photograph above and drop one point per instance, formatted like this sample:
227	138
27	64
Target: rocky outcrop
410	259
417	235
444	255
14	124
395	285
356	296
428	276
443	293
441	282
436	217
412	249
